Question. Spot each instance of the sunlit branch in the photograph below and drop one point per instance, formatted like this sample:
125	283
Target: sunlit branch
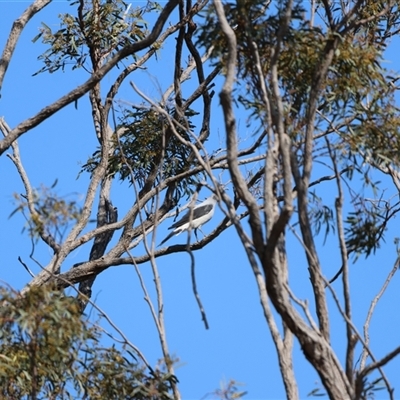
371	310
16	30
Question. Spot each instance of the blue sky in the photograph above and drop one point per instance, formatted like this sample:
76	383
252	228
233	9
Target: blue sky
238	344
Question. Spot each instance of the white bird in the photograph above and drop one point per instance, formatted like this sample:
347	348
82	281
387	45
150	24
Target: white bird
194	218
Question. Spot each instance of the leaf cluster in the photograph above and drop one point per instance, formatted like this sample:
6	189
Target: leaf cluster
52	214
365	227
48	351
145	142
321	216
95	34
375	130
230	391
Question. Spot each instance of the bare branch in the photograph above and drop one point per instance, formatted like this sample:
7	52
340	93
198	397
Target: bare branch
16	30
351	341
359	384
311	253
193	263
371	310
26	267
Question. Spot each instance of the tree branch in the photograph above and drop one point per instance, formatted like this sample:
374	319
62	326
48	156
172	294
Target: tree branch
351	340
230	127
91	82
371	309
16	30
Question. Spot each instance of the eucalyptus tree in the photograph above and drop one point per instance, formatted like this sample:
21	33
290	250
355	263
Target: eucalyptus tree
310	81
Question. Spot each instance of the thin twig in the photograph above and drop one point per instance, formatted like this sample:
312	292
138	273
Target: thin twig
303	304
193	264
359	381
351	342
147	297
26	267
371	310
16	30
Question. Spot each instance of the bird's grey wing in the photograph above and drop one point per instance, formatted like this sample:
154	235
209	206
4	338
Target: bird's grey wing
202	210
196	213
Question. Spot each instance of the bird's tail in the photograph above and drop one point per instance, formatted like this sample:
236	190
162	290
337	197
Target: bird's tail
167	238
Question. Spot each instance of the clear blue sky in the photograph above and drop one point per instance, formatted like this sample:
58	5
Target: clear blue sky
238	344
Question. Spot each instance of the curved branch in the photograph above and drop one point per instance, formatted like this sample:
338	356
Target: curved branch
371	310
16	30
91	82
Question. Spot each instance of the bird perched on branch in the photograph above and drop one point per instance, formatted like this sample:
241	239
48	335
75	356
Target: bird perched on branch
194	218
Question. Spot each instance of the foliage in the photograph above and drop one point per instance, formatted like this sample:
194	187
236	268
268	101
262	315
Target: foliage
49	352
106	26
53	215
321	216
356	103
146	140
229	391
